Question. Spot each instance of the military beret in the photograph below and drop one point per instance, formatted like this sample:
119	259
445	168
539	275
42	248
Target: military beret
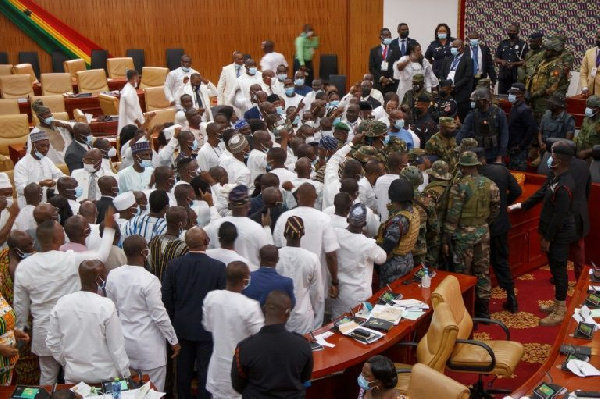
536	35
520	87
372	128
593	101
418	78
341	126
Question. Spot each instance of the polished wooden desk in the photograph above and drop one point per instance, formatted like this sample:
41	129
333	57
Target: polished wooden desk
552	365
341	362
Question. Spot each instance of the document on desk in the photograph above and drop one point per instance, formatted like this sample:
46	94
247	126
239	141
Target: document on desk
585	315
392	314
582	369
411	304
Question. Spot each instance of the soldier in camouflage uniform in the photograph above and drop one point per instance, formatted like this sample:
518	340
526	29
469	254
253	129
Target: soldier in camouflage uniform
550	76
443	143
438	190
410	97
474	202
589	136
532	58
430	228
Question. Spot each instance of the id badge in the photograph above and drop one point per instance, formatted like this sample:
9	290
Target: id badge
384	66
451	75
593	72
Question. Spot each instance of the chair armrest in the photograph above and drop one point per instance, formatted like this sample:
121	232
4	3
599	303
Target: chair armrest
406	343
489	350
403	371
493	321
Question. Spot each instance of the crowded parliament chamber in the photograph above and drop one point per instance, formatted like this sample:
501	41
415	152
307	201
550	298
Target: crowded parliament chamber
372	199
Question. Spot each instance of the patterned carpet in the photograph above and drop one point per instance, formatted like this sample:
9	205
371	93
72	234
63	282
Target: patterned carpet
532	289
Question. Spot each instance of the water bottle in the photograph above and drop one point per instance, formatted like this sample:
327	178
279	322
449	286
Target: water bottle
426	279
116	389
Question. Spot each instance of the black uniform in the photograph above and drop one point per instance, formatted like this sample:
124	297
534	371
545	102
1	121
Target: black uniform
443	107
425	127
521	129
557	225
510	53
273	363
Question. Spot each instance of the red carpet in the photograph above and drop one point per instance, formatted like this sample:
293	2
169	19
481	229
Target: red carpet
532	289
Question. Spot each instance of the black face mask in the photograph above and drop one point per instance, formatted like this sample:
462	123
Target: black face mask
419	111
444	93
596	152
451	133
365	92
513	36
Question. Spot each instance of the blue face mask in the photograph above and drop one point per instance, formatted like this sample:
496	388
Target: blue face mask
589	112
49	120
195	145
297	120
289	91
299	82
335	103
252	71
386	140
399	124
472	104
337	120
363	383
474	42
246	155
442	36
454	51
281	77
279	109
387	41
89	140
185	69
512	98
78	191
146	163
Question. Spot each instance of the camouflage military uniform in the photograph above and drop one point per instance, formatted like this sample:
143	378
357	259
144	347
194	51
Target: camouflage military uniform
532	60
474	202
443	148
437	191
589	135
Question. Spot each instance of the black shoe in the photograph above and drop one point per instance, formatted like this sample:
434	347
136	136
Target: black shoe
482	308
511	302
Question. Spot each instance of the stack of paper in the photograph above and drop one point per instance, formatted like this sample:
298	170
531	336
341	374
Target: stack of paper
585	315
392	314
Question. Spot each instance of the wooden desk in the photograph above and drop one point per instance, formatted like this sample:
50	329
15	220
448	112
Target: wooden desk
348	354
552	365
91	104
101	129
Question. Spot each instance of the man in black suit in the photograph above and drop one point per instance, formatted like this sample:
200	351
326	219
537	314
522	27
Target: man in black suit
509	192
403	42
459	69
381	60
109	188
82	142
483	66
186	282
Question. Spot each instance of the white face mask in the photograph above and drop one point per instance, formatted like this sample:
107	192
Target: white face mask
88	167
9	201
112	152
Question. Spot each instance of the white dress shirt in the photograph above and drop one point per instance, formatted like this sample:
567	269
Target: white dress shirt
257	164
43	278
382	185
226	256
24	220
366	193
93	240
405	76
304	268
237	171
372	219
174	81
270	62
292	101
338	221
231	317
331	178
227	82
131	180
144	320
204	213
83	180
298	181
206	91
240	95
208	157
284	175
356	257
129	107
30	170
84	336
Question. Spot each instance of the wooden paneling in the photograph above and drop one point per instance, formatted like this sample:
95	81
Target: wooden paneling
210	30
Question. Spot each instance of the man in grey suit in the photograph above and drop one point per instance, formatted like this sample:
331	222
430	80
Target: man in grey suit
82	142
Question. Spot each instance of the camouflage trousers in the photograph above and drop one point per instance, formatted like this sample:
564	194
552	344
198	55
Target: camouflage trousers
538	106
471	255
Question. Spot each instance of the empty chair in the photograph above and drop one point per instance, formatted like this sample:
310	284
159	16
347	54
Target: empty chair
92	81
155	98
25	69
153	77
56	83
162	116
328	65
58	61
118	67
3	58
339	81
56	104
16	86
74	66
79	116
174	58
427	383
9	106
31	57
109	104
138	58
5	69
98	59
15	129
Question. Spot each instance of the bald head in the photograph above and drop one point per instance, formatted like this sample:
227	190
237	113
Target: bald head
268	180
303	168
44	212
177	217
20	241
50	235
350	186
89	211
269	256
237	274
271	196
133	246
353	169
306	195
92	273
77	229
108	186
196	239
33	194
277	307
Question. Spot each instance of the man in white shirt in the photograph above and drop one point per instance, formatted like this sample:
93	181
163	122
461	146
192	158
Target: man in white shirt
35	167
396	162
269	85
257	159
331	179
356	258
292	99
252	236
276	163
43	278
126	207
231	317
271	60
303	170
317	86
84	332
200	89
319	239
130	111
87	178
210	153
175	78
237	171
227	234
33	196
304	268
240	95
144	320
137	176
228	78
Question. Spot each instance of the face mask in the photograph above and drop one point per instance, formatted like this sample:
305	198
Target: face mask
252	71
49	120
146	163
512	98
589	112
9	201
112	152
299	82
23	255
279	109
337	120
78	191
246	155
268	168
365	92
399	124
474	42
335	103
454	51
101	286
185	69
194	145
89	140
289	91
386	140
248	283
39	154
297	120
387	41
88	167
363	383
442	36
281	77
512	36
472	104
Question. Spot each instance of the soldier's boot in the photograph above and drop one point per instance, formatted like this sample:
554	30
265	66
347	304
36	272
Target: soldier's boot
511	302
549	308
557	316
482	308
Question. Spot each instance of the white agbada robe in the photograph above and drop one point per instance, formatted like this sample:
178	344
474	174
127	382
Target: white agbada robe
304	268
131	180
382	185
24	220
257	164
298	181
208	157
251	237
366	194
226	256
144	320
84	336
174	81
43	278
338	221
372	219
60	133
292	101
129	107
30	170
284	175
237	171
270	62
240	95
356	258
231	317
406	75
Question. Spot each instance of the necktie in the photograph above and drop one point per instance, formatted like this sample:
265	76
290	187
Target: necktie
237	70
385	51
198	99
475	60
92	187
454	63
403	48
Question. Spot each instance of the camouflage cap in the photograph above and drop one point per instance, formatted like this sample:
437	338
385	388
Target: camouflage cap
418	78
372	128
553	42
480	94
365	153
413	175
397	144
484	82
468	158
593	101
440	170
415	153
447	122
467	144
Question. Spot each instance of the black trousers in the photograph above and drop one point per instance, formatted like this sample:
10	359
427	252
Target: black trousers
557	258
193	353
462	109
310	73
504	85
499	260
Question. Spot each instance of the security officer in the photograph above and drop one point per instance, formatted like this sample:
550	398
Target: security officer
557	227
509	192
487	124
532	58
438	190
443	144
424	126
429	228
589	135
444	105
595	164
556	123
474	203
551	75
522	128
410	97
398	234
510	55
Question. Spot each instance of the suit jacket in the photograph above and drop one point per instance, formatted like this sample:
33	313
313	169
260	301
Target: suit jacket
487	64
409	42
509	192
252	113
265	280
186	282
375	59
226	83
585	80
580	171
101	206
463	78
74	156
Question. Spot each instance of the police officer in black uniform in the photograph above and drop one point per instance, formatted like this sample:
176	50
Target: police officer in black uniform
510	55
423	124
522	128
444	105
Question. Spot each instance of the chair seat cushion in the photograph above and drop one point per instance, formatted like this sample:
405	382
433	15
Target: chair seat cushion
508	354
403	378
